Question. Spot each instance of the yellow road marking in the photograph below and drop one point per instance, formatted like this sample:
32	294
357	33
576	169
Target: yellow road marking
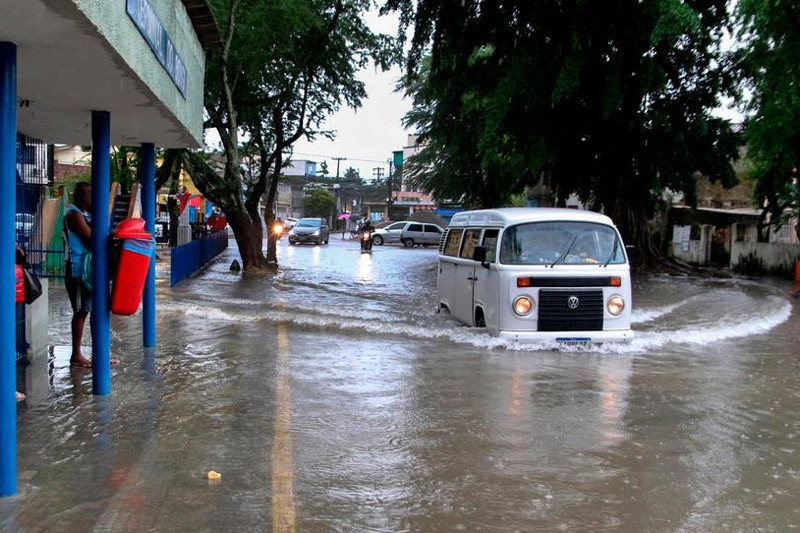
283	514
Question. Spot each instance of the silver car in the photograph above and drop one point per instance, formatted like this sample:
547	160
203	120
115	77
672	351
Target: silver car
422	234
389	234
409	233
309	230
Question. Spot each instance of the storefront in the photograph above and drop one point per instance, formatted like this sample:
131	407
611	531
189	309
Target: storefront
99	72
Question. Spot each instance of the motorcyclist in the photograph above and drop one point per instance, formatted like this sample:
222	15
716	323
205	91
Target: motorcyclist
366	230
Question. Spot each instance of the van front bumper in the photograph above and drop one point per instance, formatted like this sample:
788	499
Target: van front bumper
568	337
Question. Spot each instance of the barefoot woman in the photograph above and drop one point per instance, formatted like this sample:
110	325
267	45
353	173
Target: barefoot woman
78	237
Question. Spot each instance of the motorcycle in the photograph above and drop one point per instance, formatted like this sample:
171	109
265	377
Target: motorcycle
278	230
366	241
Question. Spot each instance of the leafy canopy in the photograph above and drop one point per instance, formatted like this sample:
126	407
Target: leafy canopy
610	100
769	37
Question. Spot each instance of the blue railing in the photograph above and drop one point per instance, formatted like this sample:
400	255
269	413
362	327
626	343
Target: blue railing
188	258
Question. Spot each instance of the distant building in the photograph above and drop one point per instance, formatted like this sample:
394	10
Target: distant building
411	149
304	168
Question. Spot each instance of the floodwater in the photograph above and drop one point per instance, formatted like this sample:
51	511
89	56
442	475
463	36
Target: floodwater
331	397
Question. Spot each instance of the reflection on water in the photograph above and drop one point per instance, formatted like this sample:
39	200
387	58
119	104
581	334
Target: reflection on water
365	268
283	512
332	398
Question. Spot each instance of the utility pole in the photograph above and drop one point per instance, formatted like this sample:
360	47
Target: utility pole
390	198
378	173
338	159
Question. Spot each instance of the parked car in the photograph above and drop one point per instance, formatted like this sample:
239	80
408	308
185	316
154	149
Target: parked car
421	234
389	234
309	230
409	233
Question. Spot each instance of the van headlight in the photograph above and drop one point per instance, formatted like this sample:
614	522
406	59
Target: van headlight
523	305
616	305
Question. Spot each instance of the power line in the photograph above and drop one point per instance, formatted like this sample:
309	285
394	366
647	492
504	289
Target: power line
334	158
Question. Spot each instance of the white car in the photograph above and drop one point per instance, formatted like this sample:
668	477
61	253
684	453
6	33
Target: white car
389	234
409	233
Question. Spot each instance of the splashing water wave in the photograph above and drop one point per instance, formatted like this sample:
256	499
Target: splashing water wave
771	312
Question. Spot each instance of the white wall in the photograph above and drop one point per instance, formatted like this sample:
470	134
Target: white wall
773	255
695	252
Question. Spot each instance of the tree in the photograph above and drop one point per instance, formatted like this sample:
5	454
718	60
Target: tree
282	68
610	100
769	33
351	174
323	170
318	202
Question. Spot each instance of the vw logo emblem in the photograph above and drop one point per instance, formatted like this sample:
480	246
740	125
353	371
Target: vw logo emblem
573	302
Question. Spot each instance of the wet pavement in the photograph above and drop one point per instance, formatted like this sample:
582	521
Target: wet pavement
330	397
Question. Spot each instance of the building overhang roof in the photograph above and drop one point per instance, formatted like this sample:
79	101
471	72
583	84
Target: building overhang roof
204	23
66	68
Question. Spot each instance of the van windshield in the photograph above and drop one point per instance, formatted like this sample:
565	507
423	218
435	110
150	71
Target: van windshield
550	243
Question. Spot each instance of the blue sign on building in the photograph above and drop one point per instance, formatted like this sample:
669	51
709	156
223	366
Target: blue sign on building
142	14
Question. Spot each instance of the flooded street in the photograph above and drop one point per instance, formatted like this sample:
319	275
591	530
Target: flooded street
331	397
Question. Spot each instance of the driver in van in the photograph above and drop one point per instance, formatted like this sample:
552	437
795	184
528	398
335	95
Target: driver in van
585	251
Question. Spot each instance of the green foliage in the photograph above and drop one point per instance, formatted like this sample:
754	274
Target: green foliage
769	34
517	200
124	164
352	174
610	100
323	170
318	202
284	67
750	265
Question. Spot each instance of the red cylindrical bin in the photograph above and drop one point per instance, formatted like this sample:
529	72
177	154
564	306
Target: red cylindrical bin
137	249
19	285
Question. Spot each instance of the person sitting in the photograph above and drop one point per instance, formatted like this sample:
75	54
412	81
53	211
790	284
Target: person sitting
366	225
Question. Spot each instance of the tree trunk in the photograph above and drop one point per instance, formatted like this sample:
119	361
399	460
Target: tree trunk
226	193
245	233
269	212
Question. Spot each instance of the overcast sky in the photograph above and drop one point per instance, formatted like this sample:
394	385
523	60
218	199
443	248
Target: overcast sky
365	137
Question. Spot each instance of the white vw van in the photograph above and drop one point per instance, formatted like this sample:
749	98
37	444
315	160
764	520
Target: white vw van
537	274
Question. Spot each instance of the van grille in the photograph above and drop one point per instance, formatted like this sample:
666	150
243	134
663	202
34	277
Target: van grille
555	314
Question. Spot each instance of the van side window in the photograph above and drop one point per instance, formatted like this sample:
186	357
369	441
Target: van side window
490	243
453	242
472	237
415	227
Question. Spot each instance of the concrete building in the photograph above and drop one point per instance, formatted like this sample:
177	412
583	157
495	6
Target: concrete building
93	72
301	167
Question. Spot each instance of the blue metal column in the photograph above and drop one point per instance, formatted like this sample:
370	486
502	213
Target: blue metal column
147	177
101	192
8	356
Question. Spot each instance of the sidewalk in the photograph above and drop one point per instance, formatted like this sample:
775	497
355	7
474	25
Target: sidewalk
135	460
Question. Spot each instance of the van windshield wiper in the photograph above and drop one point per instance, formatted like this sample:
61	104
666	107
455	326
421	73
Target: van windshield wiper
566	252
613	253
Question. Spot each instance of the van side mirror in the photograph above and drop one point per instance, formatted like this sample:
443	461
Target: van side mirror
479	254
632	252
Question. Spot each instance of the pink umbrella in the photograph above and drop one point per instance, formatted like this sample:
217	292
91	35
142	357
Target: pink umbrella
344	216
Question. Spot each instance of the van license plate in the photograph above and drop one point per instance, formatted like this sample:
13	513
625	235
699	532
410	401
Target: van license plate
574	341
